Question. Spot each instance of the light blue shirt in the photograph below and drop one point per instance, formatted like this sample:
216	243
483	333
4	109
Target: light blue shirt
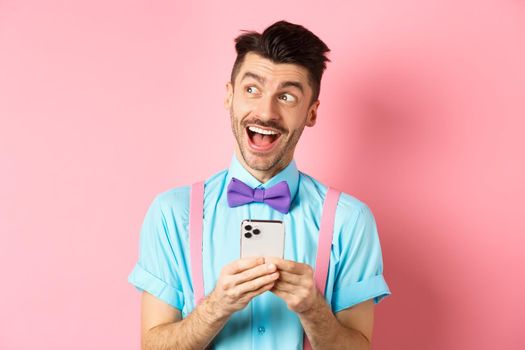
163	268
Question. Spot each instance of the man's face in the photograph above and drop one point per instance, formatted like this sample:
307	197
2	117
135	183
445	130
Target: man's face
269	107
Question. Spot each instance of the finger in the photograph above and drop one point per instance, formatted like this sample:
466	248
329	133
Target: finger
253	294
291	277
256	283
288	265
285	287
282	294
273	260
254	272
243	264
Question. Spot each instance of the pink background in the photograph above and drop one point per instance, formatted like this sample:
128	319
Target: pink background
104	104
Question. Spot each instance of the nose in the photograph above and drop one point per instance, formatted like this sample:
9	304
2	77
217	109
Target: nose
266	108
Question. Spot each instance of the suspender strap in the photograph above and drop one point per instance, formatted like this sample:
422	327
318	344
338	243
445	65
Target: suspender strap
324	245
196	216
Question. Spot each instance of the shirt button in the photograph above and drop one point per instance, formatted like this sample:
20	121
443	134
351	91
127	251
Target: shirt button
261	330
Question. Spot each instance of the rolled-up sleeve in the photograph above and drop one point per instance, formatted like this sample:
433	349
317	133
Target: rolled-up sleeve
359	271
156	269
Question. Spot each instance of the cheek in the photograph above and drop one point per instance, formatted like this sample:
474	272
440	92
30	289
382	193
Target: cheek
241	106
295	120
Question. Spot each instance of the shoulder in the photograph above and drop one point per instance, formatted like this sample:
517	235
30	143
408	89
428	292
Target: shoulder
173	199
347	206
352	209
177	199
355	231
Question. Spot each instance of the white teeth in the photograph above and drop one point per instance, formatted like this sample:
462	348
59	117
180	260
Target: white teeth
261	131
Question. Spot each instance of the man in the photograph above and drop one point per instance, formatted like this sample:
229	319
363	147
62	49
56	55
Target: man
262	303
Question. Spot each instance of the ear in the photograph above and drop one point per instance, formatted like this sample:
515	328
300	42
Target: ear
312	114
229	96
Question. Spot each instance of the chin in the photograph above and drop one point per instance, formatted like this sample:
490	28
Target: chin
260	162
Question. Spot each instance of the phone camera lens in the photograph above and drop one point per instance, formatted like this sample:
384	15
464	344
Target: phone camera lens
256	231
248	227
248	235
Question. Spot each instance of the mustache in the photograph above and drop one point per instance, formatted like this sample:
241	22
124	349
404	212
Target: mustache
268	124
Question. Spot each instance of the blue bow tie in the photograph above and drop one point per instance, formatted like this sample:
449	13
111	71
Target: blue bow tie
278	197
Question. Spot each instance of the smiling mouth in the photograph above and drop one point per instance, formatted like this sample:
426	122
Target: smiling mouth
262	139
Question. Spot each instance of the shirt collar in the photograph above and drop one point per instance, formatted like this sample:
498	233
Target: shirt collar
290	174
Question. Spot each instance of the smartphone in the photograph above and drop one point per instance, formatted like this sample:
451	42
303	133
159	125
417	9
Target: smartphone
262	238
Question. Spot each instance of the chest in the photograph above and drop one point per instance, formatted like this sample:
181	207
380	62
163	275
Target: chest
222	236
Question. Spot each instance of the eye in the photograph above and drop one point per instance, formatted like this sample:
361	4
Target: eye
288	97
251	90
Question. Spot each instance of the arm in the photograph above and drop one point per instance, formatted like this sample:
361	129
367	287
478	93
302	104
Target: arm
240	281
162	327
349	329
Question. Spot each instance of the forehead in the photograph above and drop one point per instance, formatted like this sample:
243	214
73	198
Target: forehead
273	73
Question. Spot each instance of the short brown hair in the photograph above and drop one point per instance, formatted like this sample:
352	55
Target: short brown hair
285	42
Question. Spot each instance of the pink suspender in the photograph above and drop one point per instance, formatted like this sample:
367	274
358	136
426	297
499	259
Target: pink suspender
324	244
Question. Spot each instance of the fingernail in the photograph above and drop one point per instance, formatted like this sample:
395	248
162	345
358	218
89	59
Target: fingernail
271	267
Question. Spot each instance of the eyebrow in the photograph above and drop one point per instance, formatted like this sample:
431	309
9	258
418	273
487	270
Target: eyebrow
283	85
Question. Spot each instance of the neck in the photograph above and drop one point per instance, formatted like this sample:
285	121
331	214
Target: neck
264	176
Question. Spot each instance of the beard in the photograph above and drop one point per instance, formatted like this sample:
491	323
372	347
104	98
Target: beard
275	161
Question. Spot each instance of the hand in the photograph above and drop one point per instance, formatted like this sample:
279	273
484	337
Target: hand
295	285
241	281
